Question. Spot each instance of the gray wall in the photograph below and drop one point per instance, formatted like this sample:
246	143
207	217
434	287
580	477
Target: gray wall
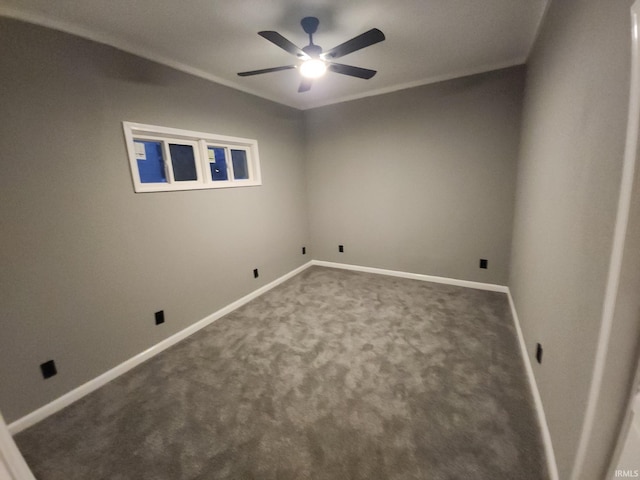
420	180
623	349
85	261
569	175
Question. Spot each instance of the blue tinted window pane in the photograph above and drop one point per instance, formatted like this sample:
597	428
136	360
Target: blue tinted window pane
218	164
239	159
150	162
184	162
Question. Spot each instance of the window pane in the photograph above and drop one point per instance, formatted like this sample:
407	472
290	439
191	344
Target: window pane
218	163
184	162
239	159
150	161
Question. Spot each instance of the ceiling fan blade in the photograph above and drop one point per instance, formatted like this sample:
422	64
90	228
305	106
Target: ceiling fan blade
265	70
305	85
361	41
352	71
280	41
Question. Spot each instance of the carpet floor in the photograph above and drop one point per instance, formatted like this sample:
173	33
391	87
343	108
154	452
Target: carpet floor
331	375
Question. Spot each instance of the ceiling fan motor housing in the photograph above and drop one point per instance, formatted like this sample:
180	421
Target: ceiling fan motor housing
312	50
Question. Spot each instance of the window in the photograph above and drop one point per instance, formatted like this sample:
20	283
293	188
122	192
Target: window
165	159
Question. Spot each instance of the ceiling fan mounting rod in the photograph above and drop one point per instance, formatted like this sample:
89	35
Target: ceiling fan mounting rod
310	25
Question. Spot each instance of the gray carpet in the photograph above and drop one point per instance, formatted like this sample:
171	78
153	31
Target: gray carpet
332	375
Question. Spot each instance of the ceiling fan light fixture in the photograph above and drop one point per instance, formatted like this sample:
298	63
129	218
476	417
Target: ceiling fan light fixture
313	62
313	68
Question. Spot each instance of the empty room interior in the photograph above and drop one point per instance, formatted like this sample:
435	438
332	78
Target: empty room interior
421	261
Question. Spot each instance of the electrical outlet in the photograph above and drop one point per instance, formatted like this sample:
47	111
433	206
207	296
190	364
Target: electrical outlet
255	273
539	352
484	263
341	248
48	369
159	317
304	250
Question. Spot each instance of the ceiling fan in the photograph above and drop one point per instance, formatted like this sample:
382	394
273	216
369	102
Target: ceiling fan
315	61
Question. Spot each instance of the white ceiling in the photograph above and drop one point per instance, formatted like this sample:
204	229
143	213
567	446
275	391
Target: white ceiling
426	40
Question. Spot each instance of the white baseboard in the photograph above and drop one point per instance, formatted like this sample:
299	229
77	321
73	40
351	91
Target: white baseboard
537	399
542	419
79	392
12	463
415	276
86	388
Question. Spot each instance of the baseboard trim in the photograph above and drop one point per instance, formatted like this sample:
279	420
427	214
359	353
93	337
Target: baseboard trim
12	463
92	385
542	419
88	387
537	399
414	276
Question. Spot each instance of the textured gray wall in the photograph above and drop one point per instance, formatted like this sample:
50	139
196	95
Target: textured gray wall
420	180
568	183
85	261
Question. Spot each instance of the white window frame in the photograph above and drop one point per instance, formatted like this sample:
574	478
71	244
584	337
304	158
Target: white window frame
200	142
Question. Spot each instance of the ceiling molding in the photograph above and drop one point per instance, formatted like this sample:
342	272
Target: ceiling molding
148	50
124	46
419	83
